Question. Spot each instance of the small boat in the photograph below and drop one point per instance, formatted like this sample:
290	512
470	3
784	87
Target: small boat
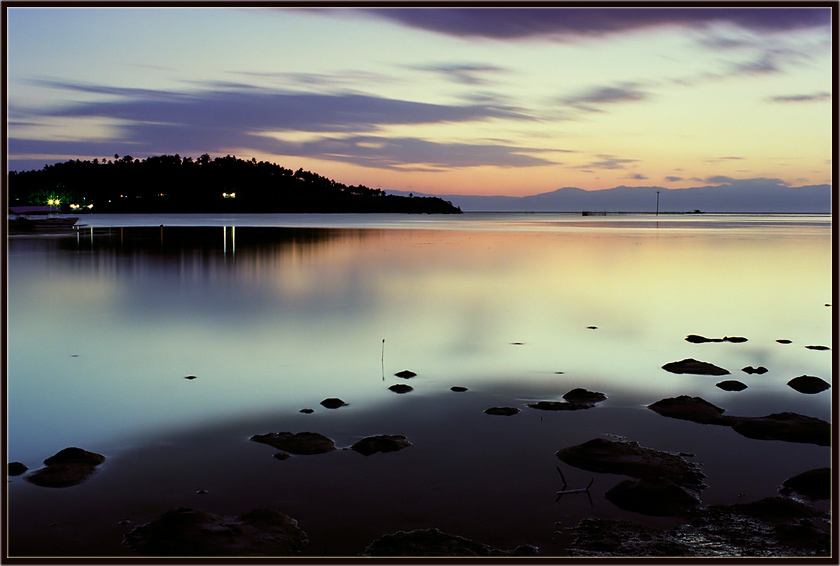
39	219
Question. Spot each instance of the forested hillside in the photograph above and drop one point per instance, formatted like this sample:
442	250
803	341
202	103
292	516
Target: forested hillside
170	183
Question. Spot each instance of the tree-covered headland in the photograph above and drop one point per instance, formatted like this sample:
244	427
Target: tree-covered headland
170	183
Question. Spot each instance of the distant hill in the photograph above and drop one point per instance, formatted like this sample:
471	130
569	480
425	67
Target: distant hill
754	195
169	183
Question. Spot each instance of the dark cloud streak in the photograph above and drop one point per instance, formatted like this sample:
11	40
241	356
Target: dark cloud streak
571	22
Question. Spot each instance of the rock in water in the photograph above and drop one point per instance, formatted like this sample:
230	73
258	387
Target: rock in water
333	403
814	484
659	497
68	467
302	443
405	374
15	468
502	411
188	532
790	427
401	388
693	409
808	384
731	385
690	365
381	443
433	542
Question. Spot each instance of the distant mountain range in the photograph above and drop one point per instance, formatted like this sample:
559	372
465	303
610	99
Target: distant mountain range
754	195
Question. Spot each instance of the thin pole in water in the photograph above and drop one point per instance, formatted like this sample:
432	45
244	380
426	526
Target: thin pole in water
657	203
383	359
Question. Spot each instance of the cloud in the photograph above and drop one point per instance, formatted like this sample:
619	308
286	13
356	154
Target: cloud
591	99
217	121
465	74
608	162
574	22
673	179
815	97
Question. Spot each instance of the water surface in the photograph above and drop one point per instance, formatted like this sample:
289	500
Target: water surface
273	313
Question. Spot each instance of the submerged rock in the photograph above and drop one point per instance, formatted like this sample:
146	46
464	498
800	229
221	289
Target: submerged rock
693	409
307	411
818	347
813	484
433	542
808	384
751	370
302	443
653	496
502	411
401	388
783	341
188	532
333	403
381	443
690	365
631	459
68	467
583	397
405	374
731	385
558	406
458	389
190	377
790	427
696	339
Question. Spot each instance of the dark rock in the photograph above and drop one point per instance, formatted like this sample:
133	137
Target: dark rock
458	389
67	468
333	403
188	532
381	443
751	370
401	388
696	339
405	374
190	377
282	456
813	484
808	384
731	385
15	469
592	327
818	347
435	543
307	411
690	365
584	397
503	411
692	409
609	538
202	492
654	496
783	341
789	427
303	443
75	457
630	459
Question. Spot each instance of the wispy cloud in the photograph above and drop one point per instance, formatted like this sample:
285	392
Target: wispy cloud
608	162
815	97
465	74
344	126
593	98
574	22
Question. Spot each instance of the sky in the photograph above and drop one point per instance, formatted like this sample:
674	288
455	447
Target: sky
495	101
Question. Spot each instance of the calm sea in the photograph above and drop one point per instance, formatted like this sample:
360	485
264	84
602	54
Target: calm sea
274	313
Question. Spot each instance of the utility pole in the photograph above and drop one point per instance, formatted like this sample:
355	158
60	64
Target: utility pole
657	203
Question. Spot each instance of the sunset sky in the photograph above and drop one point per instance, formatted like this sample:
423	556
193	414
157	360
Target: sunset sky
511	101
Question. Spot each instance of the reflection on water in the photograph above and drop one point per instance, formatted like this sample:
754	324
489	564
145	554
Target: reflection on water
105	324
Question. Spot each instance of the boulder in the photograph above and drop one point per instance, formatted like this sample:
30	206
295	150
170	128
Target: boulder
502	411
401	388
189	532
731	385
808	384
696	339
381	443
693	409
307	411
405	374
302	443
333	403
813	484
783	341
690	365
818	347
435	543
559	406
631	459
15	469
790	427
458	389
67	468
583	397
659	497
751	370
